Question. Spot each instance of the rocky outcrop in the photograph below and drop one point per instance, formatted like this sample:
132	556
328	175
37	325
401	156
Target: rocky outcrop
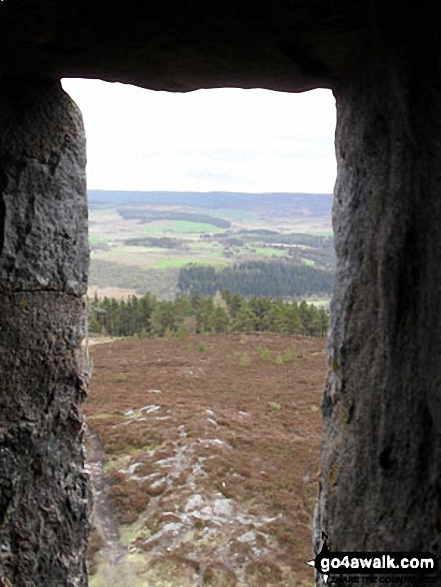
44	495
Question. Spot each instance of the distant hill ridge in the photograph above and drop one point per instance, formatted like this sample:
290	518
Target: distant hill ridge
300	203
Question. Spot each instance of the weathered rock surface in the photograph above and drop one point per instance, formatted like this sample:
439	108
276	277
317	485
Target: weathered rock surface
380	483
42	145
44	493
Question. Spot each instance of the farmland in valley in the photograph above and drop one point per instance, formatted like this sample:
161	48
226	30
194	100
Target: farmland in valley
140	240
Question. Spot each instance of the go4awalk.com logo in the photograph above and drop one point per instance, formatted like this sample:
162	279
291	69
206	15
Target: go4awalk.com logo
399	568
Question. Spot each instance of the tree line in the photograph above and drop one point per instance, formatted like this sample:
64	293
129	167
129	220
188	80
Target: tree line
273	279
195	313
146	216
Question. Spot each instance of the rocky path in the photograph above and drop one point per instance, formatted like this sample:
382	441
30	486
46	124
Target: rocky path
113	551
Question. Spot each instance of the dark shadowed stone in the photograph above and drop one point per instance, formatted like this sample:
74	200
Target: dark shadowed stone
380	486
44	492
43	208
288	45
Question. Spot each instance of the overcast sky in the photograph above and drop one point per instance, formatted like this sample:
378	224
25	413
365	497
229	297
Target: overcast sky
208	140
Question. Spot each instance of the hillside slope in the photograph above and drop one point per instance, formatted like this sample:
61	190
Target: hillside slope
211	451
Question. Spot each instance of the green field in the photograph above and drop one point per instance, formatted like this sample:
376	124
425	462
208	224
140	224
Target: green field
124	250
270	252
203	245
184	261
97	240
179	227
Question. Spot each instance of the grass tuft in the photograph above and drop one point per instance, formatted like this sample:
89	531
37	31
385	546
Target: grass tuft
265	354
275	406
244	360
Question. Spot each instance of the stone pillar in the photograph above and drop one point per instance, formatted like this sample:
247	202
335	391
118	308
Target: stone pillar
44	493
380	486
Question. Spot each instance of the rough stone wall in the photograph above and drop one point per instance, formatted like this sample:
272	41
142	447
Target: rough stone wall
44	494
380	486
